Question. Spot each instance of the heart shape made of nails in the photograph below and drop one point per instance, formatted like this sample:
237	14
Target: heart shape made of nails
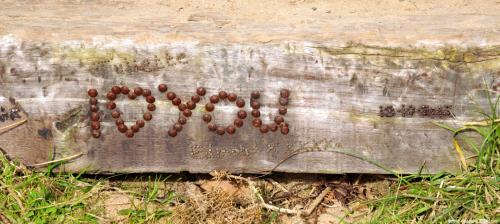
132	95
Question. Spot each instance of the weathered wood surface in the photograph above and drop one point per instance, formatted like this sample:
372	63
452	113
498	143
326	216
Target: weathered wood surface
340	61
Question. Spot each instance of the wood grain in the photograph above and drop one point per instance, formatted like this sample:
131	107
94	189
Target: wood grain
338	80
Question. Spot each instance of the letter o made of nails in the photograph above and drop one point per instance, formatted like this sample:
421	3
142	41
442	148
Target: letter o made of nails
210	107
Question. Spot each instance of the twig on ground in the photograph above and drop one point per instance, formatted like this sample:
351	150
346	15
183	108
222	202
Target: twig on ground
12	126
300	212
329	206
278	185
437	196
4	219
313	189
251	184
57	160
317	201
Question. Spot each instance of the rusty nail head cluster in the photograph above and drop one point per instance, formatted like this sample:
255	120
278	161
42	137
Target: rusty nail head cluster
240	102
255	105
95	116
147	116
94	108
162	88
214	99
206	117
201	91
92	92
230	129
185	108
182	106
220	131
125	90
285	93
191	105
238	122
172	132
93	101
210	106
171	95
140	123
131	95
255	113
242	114
232	97
178	127
187	112
138	91
95	125
119	121
255	95
176	101
212	127
111	105
222	95
282	110
151	107
111	96
195	98
146	93
116	90
257	122
182	120
264	128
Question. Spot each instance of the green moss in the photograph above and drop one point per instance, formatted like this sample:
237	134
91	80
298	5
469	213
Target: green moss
93	55
449	56
449	53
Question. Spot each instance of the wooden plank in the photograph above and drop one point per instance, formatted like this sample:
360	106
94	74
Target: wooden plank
48	62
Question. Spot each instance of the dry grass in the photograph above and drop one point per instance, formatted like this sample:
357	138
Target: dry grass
217	207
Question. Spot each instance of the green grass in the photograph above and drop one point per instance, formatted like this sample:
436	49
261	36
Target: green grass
44	197
50	197
153	206
470	196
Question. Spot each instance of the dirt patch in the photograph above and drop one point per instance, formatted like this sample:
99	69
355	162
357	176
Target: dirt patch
114	203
